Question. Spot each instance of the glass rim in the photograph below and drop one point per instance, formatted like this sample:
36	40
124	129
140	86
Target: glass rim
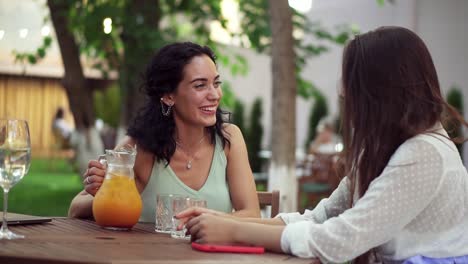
171	194
13	119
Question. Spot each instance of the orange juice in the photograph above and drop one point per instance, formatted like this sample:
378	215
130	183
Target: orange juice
117	204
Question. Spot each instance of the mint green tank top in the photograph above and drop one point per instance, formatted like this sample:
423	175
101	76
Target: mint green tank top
163	180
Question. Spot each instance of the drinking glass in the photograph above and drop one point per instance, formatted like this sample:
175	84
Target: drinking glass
163	221
179	204
15	158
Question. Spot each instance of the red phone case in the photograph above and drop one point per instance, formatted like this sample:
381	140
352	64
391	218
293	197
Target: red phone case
228	248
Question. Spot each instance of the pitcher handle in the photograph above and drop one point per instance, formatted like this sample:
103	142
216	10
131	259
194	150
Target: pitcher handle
102	159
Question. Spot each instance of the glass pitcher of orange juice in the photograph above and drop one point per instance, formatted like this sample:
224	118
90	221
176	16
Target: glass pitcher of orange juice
117	205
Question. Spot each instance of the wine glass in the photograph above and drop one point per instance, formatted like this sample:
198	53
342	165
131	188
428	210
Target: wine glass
15	158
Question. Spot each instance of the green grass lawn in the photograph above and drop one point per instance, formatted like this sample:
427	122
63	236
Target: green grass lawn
46	190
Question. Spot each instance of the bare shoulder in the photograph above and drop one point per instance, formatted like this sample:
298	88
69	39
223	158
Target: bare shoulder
231	131
234	135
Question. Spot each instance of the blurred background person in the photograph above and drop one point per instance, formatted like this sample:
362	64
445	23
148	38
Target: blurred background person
61	129
327	140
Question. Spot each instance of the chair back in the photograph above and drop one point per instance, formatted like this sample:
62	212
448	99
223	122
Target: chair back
270	198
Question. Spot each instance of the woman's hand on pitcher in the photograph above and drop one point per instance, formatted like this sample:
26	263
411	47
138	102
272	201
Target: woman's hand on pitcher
94	176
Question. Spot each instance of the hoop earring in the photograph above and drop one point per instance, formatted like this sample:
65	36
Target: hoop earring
166	112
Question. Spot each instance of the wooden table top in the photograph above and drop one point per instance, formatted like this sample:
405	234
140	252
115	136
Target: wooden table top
81	241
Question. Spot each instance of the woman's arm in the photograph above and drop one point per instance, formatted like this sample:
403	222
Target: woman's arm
212	229
81	206
329	207
338	202
186	215
239	175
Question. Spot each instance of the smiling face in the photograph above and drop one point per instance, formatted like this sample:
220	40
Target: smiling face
198	94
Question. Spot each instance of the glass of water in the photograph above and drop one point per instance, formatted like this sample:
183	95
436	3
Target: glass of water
163	223
15	158
179	204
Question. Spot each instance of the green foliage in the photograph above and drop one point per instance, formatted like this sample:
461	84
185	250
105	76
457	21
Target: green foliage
228	100
107	105
145	28
382	2
305	51
187	20
256	28
33	57
454	128
455	98
317	112
256	24
139	28
238	116
255	135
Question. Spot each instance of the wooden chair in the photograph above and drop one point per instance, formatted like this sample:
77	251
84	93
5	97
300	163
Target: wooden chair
270	198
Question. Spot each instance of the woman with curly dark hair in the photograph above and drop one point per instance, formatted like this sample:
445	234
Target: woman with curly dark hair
184	144
405	194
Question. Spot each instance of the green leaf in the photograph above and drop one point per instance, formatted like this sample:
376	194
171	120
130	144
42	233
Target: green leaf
229	98
47	42
41	52
303	87
455	98
234	69
317	112
342	38
224	60
32	59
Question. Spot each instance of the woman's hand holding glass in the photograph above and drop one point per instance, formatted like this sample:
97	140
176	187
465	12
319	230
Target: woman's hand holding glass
94	176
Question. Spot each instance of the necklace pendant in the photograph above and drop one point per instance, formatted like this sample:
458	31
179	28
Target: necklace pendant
189	165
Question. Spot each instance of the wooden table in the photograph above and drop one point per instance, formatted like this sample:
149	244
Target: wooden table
81	241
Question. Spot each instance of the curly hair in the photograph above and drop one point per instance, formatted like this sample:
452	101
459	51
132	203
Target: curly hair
153	131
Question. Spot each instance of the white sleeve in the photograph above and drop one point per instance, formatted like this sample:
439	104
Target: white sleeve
332	206
405	187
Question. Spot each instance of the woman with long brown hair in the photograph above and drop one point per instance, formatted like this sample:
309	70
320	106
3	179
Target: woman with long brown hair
405	193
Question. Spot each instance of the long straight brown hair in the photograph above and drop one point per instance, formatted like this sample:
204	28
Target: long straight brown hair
391	93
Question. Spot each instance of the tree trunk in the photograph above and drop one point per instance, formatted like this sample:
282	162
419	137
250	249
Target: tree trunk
85	140
282	174
142	14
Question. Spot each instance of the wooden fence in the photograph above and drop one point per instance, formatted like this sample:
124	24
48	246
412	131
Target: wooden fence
36	100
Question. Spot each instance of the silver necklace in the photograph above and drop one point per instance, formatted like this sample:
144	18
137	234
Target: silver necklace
187	153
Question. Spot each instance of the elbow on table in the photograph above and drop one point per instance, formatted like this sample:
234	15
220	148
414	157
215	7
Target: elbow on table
77	212
81	206
74	212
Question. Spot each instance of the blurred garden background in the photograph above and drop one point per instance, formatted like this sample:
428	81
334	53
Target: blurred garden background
86	56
